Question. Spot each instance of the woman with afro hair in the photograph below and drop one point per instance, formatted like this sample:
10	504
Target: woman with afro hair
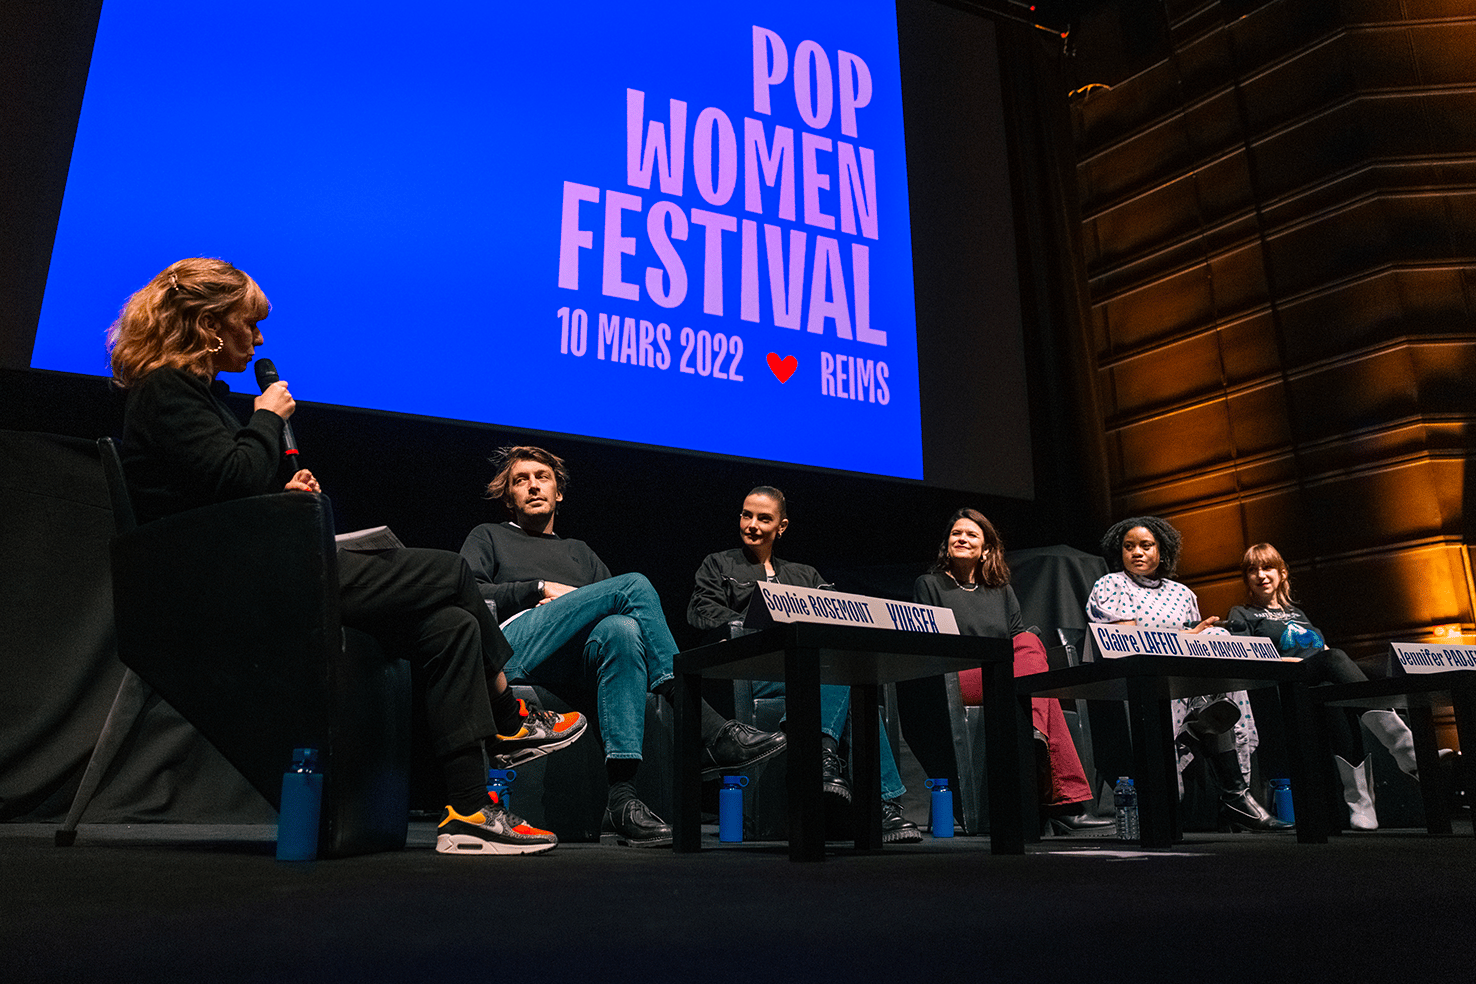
1142	553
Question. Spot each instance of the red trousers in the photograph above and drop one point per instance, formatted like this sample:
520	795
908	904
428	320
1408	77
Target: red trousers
1068	781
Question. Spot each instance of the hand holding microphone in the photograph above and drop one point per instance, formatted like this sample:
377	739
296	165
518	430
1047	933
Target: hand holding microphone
274	397
277	399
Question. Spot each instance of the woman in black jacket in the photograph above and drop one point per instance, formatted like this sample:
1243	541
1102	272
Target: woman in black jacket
722	589
183	448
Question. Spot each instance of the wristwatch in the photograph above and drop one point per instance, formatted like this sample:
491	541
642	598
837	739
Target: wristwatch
540	589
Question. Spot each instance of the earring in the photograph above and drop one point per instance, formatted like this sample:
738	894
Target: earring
219	344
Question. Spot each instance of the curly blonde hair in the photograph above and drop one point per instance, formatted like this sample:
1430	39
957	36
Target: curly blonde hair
160	324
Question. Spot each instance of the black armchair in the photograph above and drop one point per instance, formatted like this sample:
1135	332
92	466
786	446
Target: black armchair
230	612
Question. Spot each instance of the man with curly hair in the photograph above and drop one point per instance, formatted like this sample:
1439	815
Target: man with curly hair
574	626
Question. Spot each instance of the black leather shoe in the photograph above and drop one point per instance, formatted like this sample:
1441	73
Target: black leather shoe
737	746
1240	811
833	776
1082	824
633	824
897	829
1238	808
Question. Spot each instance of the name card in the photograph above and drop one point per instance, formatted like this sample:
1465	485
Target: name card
1418	657
1115	641
788	603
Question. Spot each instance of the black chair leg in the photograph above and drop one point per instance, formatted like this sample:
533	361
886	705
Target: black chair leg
127	705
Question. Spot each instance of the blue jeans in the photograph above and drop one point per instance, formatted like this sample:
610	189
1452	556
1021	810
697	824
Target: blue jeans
835	705
609	638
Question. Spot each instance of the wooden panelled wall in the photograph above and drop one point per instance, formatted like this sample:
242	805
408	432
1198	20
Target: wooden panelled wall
1279	228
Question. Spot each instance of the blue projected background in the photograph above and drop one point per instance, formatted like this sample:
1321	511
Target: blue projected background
669	224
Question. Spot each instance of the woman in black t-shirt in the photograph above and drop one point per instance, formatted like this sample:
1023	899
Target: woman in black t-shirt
1272	614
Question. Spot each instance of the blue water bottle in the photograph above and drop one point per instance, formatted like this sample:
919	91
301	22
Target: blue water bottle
941	820
730	809
499	783
1281	800
1125	803
302	803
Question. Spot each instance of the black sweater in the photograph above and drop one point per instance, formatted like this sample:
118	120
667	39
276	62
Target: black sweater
184	448
993	612
508	563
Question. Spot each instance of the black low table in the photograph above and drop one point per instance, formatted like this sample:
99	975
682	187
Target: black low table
1419	693
1149	683
805	655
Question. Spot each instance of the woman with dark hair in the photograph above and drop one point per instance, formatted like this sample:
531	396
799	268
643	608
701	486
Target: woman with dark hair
183	447
970	577
1273	615
723	587
726	579
1143	554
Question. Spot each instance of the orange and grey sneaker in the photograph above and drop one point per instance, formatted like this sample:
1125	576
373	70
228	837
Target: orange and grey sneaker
542	732
491	830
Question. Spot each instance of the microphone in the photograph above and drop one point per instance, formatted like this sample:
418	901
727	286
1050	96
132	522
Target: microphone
266	375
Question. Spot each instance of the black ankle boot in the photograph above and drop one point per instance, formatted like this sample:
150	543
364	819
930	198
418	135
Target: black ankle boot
833	770
1238	808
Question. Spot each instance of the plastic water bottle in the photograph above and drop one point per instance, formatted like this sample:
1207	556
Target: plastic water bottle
1125	800
730	809
940	822
499	781
1281	800
302	804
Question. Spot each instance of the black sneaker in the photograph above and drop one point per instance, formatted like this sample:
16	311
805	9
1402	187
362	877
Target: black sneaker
737	746
897	829
634	825
542	732
491	830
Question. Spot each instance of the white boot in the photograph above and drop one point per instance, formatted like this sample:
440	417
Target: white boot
1391	731
1357	795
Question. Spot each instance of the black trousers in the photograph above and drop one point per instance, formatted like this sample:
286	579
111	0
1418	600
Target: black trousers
1334	666
424	606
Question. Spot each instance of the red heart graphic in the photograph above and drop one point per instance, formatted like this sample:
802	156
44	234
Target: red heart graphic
782	368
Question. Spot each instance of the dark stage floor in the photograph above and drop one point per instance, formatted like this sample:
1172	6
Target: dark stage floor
209	903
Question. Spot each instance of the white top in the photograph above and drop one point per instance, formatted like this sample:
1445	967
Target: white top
1118	598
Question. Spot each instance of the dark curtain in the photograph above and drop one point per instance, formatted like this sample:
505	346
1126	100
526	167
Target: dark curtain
59	667
1052	584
